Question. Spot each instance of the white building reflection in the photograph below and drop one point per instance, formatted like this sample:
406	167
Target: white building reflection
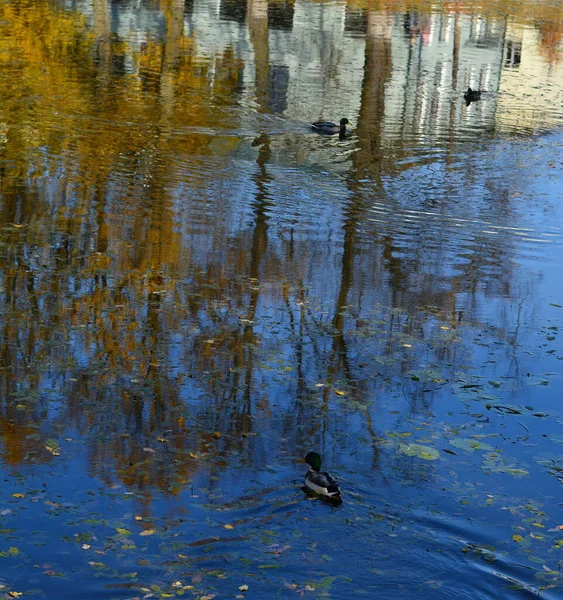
309	60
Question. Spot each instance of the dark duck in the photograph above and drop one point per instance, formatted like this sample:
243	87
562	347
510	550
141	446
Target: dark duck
322	483
330	128
471	96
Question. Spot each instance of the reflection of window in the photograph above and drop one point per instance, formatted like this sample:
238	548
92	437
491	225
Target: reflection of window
279	83
356	22
513	54
280	15
486	33
411	24
233	10
188	7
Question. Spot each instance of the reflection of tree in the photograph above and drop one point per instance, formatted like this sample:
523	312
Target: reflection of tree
133	300
257	12
551	35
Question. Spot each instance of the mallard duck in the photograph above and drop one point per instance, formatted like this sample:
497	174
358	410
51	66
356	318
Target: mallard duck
472	96
330	127
322	484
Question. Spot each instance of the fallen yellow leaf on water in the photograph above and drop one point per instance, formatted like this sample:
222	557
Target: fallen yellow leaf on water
340	392
227	526
18	495
15	594
407	345
444	327
148	532
243	587
138	518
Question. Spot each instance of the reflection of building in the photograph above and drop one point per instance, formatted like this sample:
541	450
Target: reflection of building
315	64
432	69
308	60
529	97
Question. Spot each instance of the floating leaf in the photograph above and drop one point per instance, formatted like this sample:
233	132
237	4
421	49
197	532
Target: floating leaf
495	464
470	445
425	452
517	538
147	532
123	531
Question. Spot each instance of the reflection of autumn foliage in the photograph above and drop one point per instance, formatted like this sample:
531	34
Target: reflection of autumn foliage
21	441
70	106
551	34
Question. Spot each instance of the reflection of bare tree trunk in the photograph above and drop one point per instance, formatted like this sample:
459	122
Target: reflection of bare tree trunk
367	159
258	28
244	360
377	70
455	69
340	356
102	31
174	31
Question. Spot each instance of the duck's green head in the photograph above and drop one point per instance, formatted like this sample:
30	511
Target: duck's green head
344	121
314	460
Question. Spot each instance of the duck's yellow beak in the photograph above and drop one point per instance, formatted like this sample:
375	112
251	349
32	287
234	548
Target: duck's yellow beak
300	460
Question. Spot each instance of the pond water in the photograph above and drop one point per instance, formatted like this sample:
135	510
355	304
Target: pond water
197	290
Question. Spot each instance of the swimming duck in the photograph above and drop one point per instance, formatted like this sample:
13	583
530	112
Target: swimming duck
330	127
472	96
322	484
